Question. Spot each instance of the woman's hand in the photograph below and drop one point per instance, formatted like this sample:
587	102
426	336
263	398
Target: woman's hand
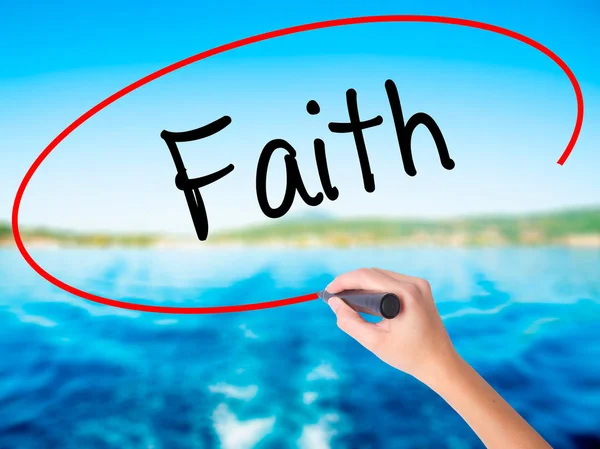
416	341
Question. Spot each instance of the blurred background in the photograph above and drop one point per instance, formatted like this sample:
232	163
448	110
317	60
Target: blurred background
509	240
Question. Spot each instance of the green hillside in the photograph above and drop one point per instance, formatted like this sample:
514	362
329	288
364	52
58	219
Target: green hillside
566	227
573	227
33	235
5	231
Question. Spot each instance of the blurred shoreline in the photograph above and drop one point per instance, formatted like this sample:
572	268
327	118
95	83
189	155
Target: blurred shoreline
569	228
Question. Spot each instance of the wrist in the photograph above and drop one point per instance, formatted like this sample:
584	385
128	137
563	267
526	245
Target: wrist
445	369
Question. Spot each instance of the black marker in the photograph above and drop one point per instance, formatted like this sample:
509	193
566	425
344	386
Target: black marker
386	305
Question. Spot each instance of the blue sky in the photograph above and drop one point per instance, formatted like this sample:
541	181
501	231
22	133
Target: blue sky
506	110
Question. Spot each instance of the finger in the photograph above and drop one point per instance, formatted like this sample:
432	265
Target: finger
397	276
348	320
420	283
362	279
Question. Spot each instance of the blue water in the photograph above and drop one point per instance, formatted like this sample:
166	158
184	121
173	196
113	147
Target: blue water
75	374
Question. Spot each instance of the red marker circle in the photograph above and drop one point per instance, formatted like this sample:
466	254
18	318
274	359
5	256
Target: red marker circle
222	49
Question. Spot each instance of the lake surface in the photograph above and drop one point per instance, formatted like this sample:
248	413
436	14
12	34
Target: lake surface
75	374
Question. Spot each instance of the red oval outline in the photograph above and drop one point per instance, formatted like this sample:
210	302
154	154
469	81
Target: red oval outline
230	46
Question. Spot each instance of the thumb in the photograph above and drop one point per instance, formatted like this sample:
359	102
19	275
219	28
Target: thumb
348	320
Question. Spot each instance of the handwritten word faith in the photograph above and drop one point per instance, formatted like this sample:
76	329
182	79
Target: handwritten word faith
294	184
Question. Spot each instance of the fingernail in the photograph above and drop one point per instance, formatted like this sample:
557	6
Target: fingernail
334	303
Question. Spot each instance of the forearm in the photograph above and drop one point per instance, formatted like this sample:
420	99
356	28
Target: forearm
494	421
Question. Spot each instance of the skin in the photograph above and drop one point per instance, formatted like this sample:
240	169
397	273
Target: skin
417	343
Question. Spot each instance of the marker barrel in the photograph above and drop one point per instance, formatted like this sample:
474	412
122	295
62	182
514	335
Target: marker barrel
386	305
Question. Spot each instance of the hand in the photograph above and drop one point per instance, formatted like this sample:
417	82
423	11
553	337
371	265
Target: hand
416	341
